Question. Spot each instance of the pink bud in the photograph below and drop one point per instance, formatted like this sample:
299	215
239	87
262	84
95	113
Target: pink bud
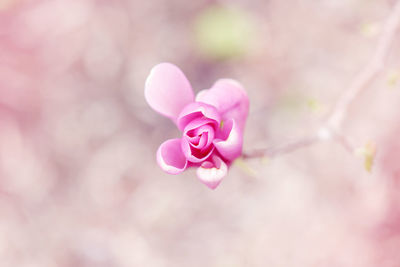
212	125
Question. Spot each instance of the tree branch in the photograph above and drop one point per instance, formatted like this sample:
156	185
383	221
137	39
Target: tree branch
332	127
287	148
371	70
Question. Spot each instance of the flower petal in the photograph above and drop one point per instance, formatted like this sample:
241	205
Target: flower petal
230	99
211	173
195	111
195	155
170	157
192	128
167	90
230	143
202	142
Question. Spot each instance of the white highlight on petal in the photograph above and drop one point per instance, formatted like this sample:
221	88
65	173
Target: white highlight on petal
231	147
171	151
324	134
167	90
212	177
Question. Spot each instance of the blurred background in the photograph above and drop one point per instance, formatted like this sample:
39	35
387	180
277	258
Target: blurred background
79	183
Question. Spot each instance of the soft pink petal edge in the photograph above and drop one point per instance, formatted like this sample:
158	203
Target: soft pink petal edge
230	146
170	157
167	90
212	176
188	114
187	152
229	98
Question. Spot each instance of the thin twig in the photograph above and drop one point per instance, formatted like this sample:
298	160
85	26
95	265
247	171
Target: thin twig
369	73
331	128
287	148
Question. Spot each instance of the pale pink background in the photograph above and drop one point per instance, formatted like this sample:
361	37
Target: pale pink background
79	184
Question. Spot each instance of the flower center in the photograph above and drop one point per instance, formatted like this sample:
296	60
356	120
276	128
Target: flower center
200	137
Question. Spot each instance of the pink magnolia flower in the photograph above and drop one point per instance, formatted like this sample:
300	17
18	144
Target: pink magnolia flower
212	124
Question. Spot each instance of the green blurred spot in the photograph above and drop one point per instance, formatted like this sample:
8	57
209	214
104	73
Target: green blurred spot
245	167
298	102
393	77
314	105
368	152
222	32
265	160
370	29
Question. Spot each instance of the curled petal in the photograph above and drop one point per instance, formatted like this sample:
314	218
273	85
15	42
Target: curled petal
170	157
195	111
193	154
230	99
203	141
194	129
194	140
207	130
195	126
211	173
230	143
167	90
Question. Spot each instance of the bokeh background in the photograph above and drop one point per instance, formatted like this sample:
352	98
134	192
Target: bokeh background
79	184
